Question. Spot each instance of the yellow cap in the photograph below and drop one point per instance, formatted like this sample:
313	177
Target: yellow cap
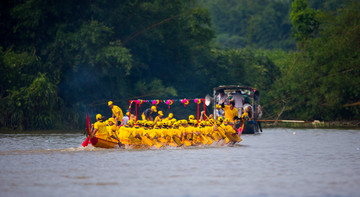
171	115
110	103
130	122
127	113
158	123
98	117
191	117
150	123
202	123
154	108
227	120
211	121
170	123
218	106
220	119
111	120
164	123
160	113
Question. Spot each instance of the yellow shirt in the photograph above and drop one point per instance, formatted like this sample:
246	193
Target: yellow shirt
115	109
229	129
157	118
111	129
177	132
230	113
101	128
123	132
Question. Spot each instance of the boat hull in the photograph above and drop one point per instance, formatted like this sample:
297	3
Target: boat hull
251	127
101	143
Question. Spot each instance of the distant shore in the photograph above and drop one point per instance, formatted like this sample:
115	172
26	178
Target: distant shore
315	124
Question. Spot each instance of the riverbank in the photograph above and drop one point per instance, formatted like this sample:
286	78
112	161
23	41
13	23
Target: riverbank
355	124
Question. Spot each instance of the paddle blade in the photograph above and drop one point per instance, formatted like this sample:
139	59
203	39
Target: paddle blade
86	142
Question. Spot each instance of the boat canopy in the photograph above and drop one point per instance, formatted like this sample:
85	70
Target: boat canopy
245	90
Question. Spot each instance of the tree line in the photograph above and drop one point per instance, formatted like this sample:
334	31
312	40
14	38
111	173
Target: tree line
61	60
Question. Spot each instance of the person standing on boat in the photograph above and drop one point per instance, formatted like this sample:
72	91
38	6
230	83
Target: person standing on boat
125	119
146	115
239	101
116	111
258	116
222	97
230	111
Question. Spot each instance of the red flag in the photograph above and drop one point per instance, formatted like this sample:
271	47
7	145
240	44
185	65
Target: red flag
88	124
86	142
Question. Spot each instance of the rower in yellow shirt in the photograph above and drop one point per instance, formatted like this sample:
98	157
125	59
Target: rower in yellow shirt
215	134
116	111
111	131
158	117
165	137
230	131
170	116
100	128
187	133
145	137
124	132
205	132
177	134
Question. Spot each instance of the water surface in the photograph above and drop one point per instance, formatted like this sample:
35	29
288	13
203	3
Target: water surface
278	162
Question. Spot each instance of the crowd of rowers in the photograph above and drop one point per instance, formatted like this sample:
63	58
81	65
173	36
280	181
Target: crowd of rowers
161	132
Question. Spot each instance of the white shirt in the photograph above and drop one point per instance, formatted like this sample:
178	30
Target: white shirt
239	99
124	120
221	99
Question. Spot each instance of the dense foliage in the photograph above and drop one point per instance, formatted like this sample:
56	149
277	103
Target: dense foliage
62	59
260	23
322	80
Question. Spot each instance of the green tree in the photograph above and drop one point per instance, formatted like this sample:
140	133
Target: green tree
304	20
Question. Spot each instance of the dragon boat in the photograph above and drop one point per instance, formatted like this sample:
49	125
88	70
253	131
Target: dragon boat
192	137
230	133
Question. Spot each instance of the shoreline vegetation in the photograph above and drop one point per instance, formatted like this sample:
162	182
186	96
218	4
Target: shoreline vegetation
353	124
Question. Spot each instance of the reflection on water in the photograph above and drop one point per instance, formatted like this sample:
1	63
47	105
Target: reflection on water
278	162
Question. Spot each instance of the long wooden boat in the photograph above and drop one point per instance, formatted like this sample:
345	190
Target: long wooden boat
146	143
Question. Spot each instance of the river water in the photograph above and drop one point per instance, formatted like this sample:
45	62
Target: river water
278	162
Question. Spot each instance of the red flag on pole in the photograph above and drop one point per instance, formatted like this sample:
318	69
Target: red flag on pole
86	142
